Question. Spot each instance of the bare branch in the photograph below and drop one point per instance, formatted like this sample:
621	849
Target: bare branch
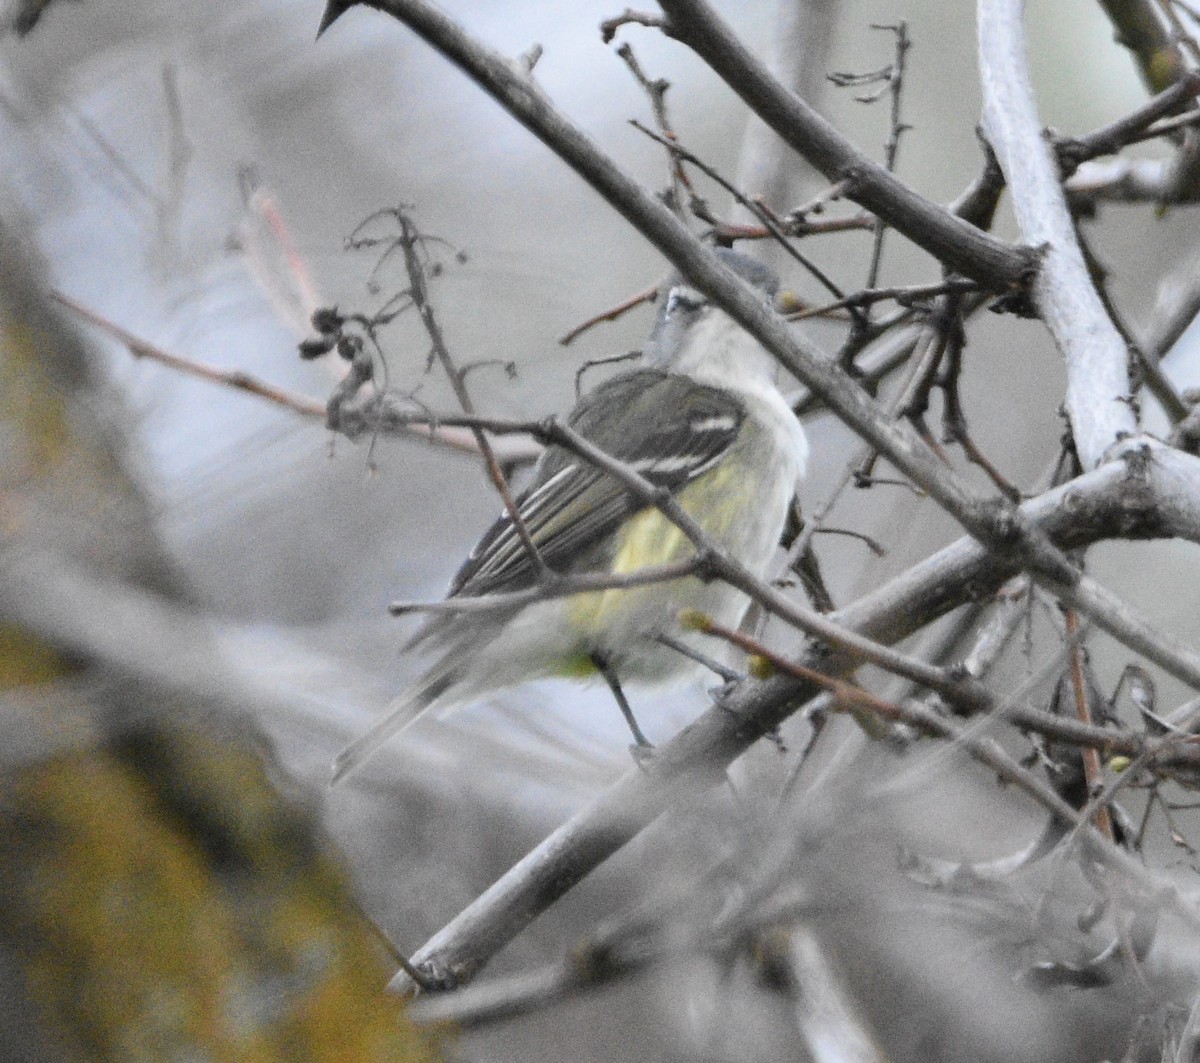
993	521
446	432
962	247
1072	151
1098	386
230	378
895	85
609	27
656	91
1130	180
1073	515
905	296
1140	28
612	314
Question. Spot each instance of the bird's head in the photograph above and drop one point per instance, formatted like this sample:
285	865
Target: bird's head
690	329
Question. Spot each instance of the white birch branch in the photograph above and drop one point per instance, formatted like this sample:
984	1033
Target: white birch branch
1098	385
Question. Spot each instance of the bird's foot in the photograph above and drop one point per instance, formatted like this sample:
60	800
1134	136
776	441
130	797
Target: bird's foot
721	695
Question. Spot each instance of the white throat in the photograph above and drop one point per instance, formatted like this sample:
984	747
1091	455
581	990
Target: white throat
719	351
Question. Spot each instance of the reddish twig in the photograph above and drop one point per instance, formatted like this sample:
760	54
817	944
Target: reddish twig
612	314
230	378
238	380
1093	770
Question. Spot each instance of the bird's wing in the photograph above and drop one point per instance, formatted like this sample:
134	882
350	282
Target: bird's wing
668	428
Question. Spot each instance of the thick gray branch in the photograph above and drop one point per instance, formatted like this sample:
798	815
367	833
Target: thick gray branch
1098	387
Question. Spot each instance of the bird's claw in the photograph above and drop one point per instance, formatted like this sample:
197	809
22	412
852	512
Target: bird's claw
720	695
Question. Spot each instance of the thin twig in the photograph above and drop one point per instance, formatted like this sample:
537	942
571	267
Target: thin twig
729	232
410	242
612	314
904	295
656	91
895	85
230	378
1093	770
954	418
757	209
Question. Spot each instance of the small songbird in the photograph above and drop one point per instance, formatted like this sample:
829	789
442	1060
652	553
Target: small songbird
704	419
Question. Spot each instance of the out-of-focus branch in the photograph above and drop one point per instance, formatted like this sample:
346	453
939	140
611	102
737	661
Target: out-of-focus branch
1176	304
455	436
800	44
1098	386
1126	180
20	16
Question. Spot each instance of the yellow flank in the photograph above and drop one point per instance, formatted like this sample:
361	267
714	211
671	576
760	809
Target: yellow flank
648	540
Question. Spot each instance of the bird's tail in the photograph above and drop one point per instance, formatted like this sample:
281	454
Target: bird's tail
401	714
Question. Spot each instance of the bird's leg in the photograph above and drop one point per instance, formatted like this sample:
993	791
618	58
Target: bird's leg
643	745
729	676
731	679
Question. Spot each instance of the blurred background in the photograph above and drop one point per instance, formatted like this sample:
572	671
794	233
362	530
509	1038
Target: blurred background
190	173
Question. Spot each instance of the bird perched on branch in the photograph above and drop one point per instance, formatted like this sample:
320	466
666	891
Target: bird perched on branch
703	419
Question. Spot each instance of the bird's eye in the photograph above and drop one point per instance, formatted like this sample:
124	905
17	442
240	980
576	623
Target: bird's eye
680	298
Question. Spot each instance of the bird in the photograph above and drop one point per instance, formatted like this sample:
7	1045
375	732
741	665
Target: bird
702	417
